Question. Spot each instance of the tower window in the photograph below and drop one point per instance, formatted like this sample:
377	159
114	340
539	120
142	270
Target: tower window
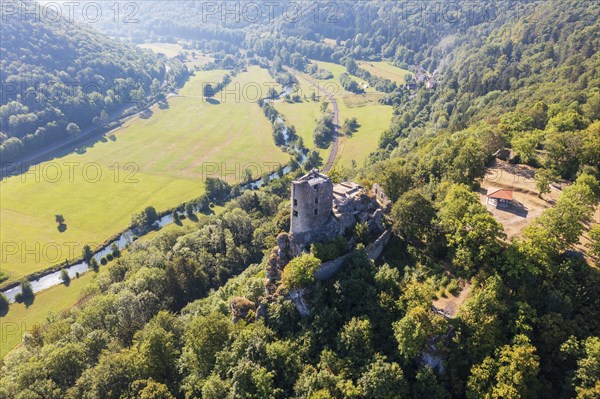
315	211
295	213
316	200
295	202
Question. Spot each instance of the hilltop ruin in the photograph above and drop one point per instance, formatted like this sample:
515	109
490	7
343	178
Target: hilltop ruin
321	211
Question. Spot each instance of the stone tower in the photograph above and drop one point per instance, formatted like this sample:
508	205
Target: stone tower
312	198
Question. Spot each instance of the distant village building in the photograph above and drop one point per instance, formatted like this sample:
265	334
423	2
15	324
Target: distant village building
502	198
430	84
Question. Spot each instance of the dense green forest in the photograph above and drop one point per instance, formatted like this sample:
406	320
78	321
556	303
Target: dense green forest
185	315
59	78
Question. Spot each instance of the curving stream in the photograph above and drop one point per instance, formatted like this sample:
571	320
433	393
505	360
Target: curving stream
50	280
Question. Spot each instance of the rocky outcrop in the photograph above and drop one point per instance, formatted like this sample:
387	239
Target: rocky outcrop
321	212
279	257
240	308
329	269
299	298
347	212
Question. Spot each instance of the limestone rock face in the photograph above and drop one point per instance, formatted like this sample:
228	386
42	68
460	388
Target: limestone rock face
375	223
283	248
300	301
280	256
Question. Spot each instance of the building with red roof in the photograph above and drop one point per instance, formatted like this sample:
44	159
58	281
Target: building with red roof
502	198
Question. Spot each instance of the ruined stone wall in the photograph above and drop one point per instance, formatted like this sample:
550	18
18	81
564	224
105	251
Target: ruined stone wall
375	249
329	269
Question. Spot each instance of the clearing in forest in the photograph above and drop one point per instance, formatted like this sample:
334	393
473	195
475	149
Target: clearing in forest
526	205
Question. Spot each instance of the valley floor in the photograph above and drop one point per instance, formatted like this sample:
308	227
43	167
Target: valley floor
158	159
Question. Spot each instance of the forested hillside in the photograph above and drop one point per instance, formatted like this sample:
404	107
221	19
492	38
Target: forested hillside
186	314
532	83
59	78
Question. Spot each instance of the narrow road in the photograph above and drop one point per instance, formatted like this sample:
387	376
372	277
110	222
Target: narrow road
336	119
334	144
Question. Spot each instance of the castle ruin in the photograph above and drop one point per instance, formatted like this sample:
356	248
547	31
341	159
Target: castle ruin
312	196
321	211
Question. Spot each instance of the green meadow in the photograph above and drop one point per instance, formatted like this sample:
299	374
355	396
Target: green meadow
159	160
52	301
60	298
385	70
372	116
168	49
193	59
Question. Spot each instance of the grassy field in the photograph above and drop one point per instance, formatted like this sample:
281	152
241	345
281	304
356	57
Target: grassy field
385	70
170	50
160	160
197	60
303	116
329	42
373	117
54	300
337	70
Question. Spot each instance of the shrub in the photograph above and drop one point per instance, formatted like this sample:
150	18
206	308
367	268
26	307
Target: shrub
444	281
64	276
242	308
94	265
189	210
116	252
300	271
454	287
361	233
329	250
87	253
3	303
103	261
594	245
26	290
109	257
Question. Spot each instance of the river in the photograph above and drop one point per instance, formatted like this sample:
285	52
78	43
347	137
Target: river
51	279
